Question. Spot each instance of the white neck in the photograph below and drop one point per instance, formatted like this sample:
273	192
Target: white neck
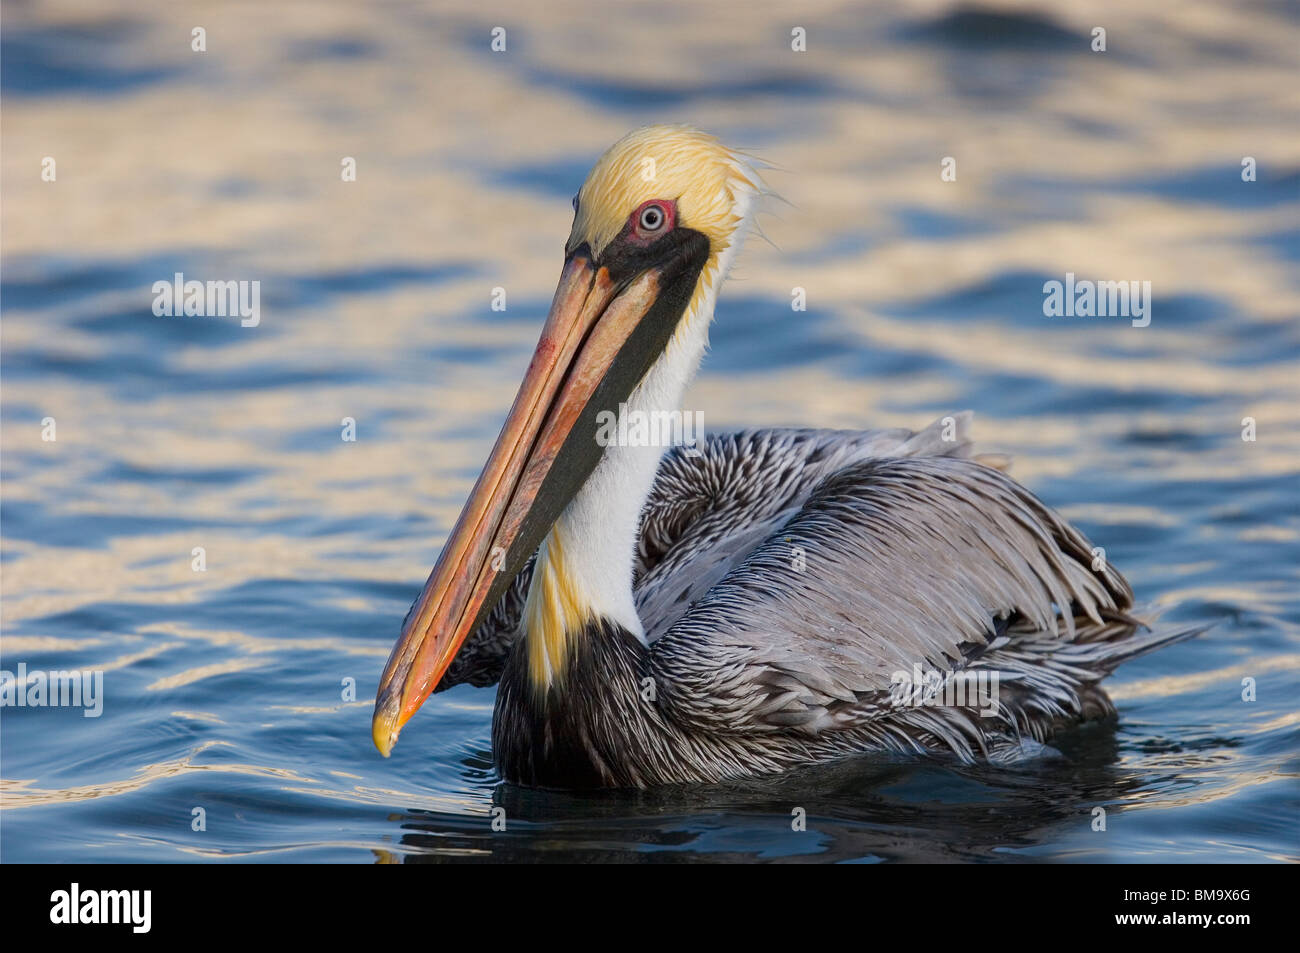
598	529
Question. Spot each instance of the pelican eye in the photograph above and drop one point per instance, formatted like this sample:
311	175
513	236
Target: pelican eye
652	218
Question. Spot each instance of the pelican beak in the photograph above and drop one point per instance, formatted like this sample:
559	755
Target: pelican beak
607	325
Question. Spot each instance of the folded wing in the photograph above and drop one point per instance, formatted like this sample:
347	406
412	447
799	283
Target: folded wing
938	562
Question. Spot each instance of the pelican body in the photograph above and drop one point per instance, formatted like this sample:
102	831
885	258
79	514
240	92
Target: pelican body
745	606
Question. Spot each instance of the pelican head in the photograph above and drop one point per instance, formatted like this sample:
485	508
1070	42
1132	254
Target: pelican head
656	225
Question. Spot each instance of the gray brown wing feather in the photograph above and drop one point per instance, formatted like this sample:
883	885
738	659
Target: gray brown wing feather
709	510
938	561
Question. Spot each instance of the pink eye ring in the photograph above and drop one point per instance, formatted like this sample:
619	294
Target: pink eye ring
653	218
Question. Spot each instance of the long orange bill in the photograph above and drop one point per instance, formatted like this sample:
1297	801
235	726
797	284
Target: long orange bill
595	347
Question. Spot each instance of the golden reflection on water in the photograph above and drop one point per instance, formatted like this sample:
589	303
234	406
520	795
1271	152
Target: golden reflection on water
22	793
1169	685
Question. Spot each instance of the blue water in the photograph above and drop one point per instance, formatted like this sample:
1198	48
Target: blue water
228	689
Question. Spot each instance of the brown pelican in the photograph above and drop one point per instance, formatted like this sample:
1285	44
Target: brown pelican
747	605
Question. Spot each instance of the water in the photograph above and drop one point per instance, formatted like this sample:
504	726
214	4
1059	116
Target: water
224	688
